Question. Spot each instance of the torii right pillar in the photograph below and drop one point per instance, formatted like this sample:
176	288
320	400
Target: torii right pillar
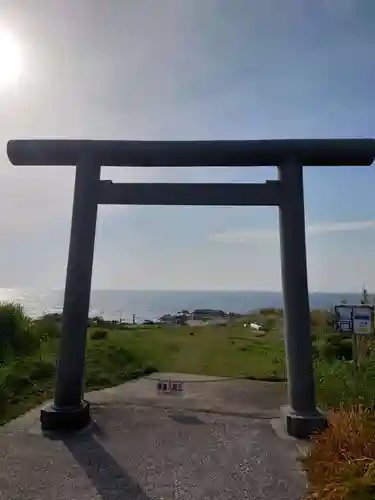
302	417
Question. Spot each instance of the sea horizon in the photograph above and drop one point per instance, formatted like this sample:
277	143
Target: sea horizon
152	304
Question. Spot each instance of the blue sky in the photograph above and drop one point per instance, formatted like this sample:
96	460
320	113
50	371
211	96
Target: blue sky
193	69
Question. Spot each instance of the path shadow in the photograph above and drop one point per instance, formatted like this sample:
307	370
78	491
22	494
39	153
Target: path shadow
111	481
186	419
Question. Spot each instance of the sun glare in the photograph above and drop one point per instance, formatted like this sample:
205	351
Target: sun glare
10	58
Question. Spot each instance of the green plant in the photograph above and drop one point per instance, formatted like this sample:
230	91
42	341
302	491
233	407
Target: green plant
41	369
46	328
339	385
337	347
99	334
3	399
57	317
315	351
109	364
16	333
320	320
245	348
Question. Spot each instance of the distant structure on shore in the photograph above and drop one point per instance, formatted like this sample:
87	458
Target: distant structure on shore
198	317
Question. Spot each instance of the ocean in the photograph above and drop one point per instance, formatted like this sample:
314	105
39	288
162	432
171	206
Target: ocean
116	304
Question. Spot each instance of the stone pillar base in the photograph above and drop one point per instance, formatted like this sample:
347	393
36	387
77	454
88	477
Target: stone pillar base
303	425
65	419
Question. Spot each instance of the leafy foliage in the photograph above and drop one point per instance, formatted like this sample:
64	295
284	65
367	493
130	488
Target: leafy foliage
99	334
337	347
339	384
16	333
46	329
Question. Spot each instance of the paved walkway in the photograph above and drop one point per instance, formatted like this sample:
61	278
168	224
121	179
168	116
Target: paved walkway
221	439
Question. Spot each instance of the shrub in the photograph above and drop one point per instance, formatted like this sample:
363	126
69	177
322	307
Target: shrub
97	320
56	317
24	372
107	364
271	311
315	351
16	333
339	385
46	328
99	334
24	383
172	347
3	398
21	377
321	320
337	347
341	463
41	369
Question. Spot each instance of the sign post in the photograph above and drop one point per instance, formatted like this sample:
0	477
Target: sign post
354	319
358	321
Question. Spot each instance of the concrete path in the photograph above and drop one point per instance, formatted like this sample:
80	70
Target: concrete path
220	439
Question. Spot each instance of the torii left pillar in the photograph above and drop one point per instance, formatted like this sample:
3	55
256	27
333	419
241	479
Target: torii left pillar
68	410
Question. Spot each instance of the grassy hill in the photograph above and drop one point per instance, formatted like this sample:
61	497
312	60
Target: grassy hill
116	353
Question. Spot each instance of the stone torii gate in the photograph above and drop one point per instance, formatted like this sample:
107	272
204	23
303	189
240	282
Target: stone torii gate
69	410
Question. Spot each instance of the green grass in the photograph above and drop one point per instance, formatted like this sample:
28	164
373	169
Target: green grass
222	351
28	381
118	354
340	385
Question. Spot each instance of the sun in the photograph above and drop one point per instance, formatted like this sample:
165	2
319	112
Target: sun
10	58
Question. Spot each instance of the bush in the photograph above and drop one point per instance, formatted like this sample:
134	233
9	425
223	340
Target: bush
21	373
245	348
108	364
56	317
46	328
99	334
3	398
339	385
23	381
16	333
341	463
321	320
315	351
41	369
337	347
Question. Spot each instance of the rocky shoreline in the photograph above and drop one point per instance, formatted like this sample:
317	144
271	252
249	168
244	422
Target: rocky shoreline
213	316
183	317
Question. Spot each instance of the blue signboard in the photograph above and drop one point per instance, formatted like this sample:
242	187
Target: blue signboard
357	319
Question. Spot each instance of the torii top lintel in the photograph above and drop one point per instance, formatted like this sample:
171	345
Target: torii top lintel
308	152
